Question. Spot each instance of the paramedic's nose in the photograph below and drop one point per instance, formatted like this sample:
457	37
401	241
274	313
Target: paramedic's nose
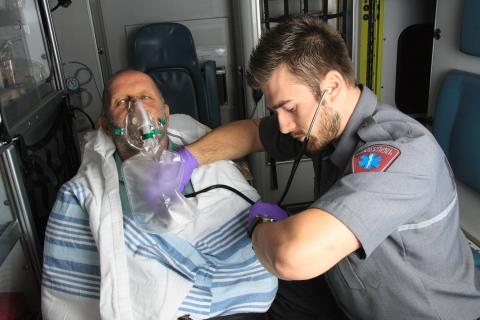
285	122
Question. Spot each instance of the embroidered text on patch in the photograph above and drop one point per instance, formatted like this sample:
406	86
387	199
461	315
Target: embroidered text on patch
376	158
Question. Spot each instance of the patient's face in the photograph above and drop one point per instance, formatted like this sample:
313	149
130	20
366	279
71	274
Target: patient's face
125	86
133	84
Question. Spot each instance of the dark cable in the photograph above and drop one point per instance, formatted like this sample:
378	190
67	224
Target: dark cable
55	8
87	68
292	173
63	3
215	186
92	124
89	72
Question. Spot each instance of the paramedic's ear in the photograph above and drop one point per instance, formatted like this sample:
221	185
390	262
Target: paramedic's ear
332	81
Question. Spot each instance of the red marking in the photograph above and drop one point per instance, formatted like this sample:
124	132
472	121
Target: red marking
386	152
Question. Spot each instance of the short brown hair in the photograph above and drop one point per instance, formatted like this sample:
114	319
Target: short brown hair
308	46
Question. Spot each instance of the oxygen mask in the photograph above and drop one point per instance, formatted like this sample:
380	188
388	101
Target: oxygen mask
141	131
152	176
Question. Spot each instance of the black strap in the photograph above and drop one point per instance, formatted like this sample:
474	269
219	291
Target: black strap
239	316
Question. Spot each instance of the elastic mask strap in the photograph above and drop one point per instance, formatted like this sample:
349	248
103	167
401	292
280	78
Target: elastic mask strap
118	131
121	131
162	122
153	133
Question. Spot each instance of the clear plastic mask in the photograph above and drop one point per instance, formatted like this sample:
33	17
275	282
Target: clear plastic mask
141	131
153	175
151	181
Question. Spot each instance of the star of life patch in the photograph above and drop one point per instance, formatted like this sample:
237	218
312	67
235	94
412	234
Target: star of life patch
375	158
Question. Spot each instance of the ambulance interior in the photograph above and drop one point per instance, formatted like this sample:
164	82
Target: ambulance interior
56	57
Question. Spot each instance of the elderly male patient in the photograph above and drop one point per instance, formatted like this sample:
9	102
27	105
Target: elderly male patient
99	263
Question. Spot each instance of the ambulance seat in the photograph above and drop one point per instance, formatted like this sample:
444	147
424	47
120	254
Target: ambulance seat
167	53
456	126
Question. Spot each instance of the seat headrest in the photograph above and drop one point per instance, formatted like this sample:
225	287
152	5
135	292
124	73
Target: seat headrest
163	44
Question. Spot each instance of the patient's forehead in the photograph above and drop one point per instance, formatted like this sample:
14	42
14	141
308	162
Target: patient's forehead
132	83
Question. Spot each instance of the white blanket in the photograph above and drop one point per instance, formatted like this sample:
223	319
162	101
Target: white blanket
208	269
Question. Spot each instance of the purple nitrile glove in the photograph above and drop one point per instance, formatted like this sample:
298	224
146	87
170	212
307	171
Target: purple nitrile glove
190	163
266	209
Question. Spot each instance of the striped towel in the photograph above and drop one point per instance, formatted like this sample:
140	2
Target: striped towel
208	269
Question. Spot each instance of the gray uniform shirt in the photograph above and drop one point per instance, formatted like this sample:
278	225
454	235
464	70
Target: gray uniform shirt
389	182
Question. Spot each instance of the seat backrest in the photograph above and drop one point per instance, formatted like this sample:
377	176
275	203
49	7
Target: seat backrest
166	52
470	28
457	125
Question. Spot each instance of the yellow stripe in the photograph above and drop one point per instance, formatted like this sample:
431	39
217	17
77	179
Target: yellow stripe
378	45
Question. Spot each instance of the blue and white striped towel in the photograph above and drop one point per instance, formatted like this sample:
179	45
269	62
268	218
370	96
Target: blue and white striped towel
208	269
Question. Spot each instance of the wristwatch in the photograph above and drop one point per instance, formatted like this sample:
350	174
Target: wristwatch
255	222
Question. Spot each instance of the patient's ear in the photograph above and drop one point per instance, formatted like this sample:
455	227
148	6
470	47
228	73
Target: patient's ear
104	124
166	110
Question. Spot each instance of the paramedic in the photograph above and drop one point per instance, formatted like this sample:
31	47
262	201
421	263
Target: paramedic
384	227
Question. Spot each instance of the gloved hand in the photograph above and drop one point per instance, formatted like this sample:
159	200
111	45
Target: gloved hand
266	209
190	163
262	212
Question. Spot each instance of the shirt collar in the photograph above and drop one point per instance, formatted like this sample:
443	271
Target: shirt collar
346	144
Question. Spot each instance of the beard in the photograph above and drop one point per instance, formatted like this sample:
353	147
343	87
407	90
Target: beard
324	131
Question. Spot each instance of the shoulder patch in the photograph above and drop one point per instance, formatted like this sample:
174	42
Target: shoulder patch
375	158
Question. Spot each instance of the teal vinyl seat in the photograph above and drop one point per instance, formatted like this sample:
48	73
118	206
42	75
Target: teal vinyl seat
166	52
456	127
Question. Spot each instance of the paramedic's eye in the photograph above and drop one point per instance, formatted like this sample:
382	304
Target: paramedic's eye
290	108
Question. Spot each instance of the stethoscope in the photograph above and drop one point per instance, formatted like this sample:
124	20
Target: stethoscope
300	154
295	164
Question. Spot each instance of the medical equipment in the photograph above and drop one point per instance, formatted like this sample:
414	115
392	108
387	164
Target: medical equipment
152	177
223	186
141	132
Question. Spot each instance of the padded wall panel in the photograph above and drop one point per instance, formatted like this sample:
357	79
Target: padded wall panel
464	151
457	125
470	36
